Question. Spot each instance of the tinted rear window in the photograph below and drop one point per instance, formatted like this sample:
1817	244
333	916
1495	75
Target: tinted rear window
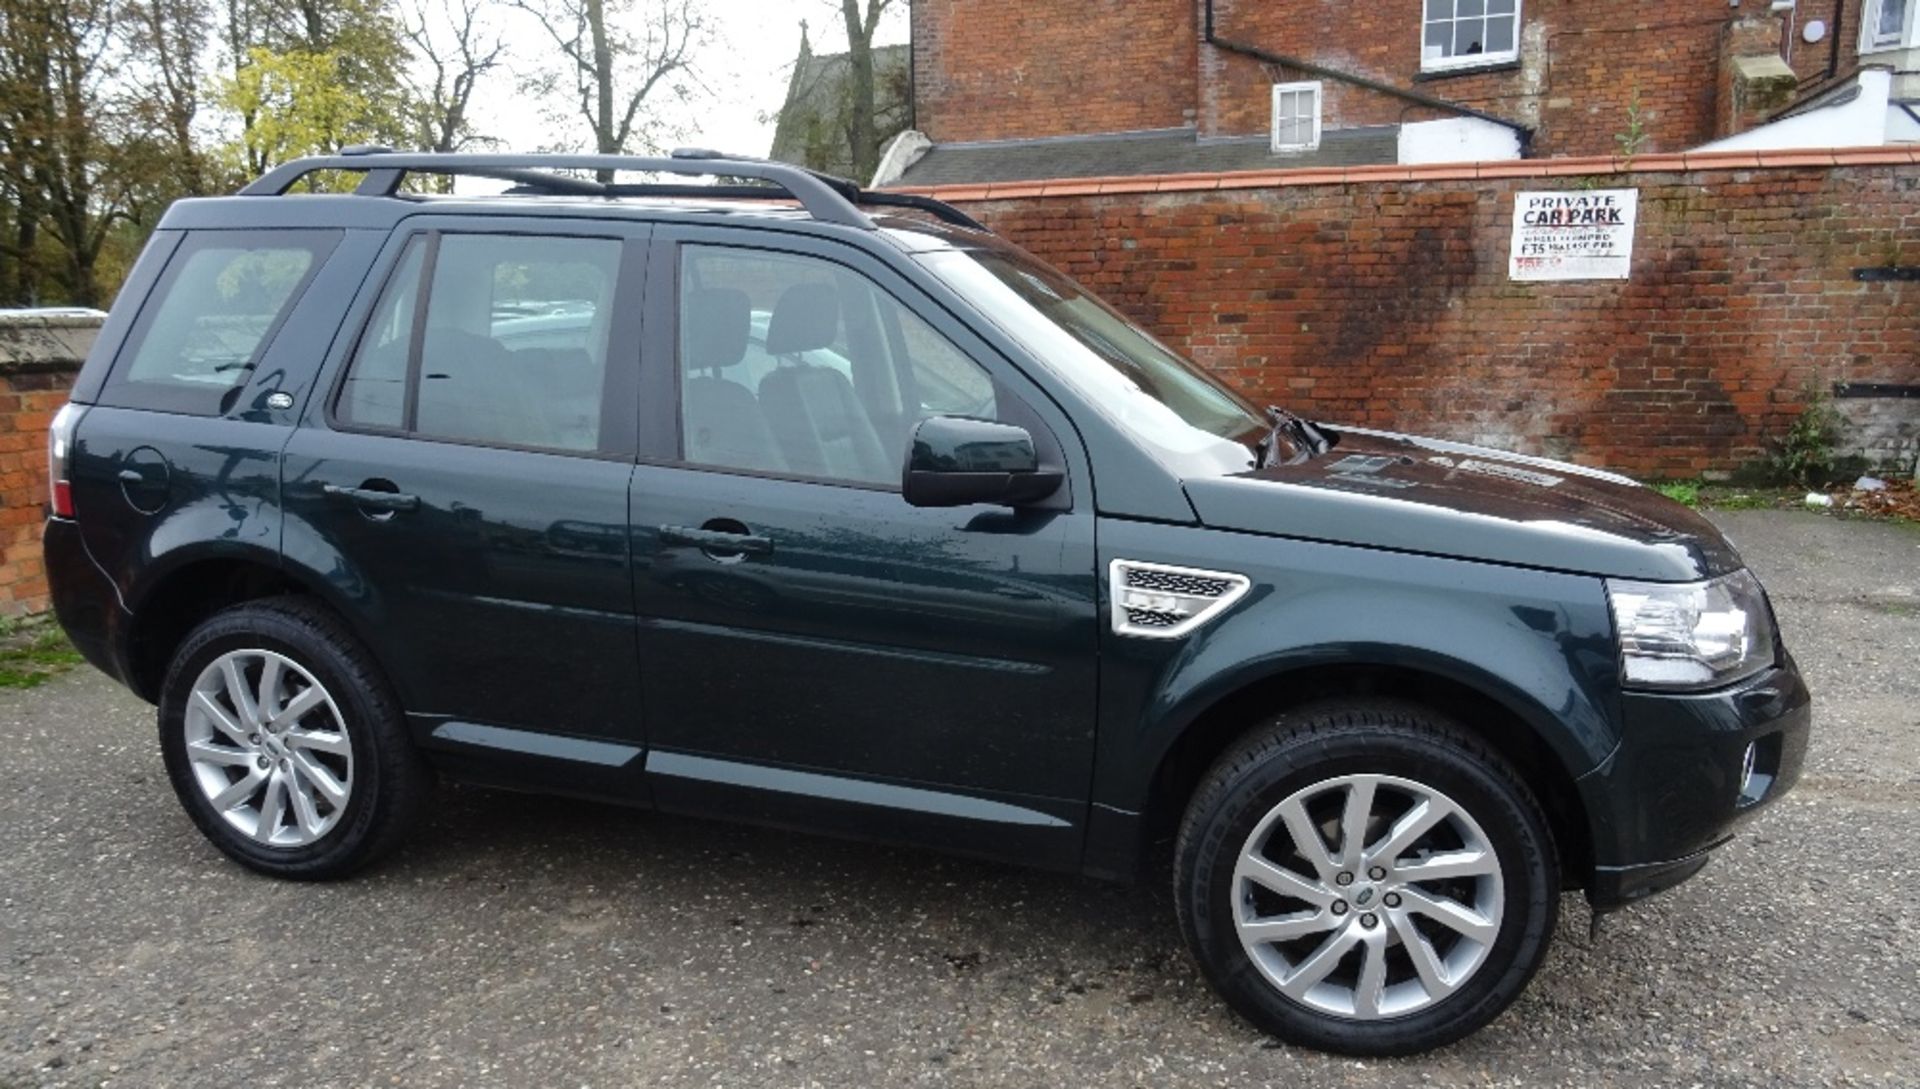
497	340
212	316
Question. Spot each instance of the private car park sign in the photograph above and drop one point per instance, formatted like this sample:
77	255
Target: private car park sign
1573	235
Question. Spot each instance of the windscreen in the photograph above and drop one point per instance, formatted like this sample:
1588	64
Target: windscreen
1144	386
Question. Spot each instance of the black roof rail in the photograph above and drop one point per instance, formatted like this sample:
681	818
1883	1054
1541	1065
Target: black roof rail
938	208
385	170
826	198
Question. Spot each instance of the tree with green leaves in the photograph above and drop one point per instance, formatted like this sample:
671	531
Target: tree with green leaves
297	105
112	109
58	143
162	85
312	76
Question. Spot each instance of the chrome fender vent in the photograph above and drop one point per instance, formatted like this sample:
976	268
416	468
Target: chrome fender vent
1155	601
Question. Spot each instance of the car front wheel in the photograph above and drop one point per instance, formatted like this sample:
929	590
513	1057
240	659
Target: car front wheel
1366	878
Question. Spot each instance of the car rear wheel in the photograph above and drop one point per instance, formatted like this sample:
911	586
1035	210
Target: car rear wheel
1366	878
283	743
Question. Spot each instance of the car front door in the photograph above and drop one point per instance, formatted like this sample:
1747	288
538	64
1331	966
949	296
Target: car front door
463	482
813	648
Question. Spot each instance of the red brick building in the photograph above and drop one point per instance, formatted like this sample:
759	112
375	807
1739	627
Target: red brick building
1061	88
1306	199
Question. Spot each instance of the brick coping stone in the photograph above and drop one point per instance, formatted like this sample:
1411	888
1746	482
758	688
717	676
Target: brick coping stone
1590	166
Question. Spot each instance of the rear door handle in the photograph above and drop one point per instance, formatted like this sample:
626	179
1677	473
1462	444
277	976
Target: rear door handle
373	498
714	540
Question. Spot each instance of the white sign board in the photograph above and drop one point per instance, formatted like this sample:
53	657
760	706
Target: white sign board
1579	234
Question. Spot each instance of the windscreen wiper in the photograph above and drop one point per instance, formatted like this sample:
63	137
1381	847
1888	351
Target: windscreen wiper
1306	437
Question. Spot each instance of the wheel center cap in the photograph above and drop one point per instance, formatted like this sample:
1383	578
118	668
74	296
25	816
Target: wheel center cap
1363	897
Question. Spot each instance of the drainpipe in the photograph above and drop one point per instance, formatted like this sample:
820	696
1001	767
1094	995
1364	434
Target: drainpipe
1402	93
1833	29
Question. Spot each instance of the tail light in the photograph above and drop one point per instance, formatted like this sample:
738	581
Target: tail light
59	450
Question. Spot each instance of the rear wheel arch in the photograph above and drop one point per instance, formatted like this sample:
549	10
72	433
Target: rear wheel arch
348	781
1229	718
172	603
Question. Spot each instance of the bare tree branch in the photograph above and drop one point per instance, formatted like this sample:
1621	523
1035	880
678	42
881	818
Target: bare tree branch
458	57
621	76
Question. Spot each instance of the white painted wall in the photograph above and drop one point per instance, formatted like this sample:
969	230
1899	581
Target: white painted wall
908	148
1457	140
1902	127
1862	122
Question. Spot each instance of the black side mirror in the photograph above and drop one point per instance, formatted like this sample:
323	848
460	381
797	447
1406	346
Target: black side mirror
956	460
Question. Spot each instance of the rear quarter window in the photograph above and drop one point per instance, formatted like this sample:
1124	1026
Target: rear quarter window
212	317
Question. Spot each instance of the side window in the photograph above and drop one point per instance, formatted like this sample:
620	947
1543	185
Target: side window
799	366
375	392
495	339
212	316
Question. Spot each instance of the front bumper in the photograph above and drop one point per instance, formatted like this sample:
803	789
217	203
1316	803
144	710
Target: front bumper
1680	783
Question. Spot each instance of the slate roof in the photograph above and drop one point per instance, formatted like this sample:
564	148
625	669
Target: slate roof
1160	151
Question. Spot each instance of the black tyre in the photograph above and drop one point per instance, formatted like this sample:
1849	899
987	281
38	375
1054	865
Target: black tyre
1409	935
285	744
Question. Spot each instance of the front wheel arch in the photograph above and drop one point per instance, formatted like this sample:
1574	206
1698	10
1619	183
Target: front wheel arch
1230	717
1502	921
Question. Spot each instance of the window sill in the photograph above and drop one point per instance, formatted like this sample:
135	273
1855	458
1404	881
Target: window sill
1509	64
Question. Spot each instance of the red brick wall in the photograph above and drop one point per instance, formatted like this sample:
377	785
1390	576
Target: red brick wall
1002	69
1810	62
1581	65
29	396
1386	301
999	69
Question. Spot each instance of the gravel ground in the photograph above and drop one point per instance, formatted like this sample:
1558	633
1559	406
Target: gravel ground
523	941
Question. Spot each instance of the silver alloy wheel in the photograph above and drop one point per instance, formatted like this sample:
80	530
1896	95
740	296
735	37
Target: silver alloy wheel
1367	896
269	748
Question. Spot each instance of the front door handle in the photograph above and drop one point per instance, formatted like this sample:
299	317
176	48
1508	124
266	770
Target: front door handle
373	498
717	540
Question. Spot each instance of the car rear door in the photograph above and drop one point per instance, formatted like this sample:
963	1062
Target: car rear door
462	483
814	649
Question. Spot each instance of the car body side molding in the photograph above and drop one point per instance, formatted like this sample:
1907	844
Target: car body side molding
578	749
843	789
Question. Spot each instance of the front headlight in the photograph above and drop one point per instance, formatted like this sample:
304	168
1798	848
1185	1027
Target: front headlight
1692	634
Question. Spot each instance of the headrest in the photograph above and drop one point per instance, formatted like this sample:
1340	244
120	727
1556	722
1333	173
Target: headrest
806	317
714	328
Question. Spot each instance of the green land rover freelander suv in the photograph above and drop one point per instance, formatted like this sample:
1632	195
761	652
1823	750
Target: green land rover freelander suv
784	501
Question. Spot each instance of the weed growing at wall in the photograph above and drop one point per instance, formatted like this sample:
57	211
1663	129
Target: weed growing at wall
1632	140
1807	454
1684	492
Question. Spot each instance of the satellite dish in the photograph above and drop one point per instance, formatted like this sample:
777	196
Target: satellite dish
1815	30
